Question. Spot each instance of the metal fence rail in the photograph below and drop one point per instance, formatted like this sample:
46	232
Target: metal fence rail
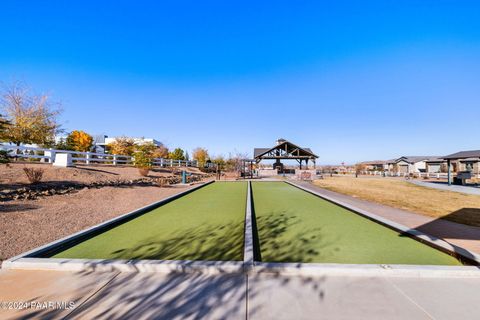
49	154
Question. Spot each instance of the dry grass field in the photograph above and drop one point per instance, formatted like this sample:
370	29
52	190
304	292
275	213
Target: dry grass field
453	206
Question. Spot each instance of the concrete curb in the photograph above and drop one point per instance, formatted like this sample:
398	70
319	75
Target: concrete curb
458	252
365	270
53	264
186	266
99	265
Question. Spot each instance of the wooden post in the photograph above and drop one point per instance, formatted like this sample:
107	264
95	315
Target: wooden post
114	159
449	172
87	157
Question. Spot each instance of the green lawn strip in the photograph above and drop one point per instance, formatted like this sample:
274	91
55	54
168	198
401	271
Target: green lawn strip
296	226
207	224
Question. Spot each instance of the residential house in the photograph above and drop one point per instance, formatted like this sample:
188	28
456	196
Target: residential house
412	164
376	165
436	165
464	161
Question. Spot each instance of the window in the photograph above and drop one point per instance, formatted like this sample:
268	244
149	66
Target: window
469	166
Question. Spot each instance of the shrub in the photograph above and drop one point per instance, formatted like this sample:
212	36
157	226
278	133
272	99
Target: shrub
4	158
144	171
34	175
143	157
177	154
62	145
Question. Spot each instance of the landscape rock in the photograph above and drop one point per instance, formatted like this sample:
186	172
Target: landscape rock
48	189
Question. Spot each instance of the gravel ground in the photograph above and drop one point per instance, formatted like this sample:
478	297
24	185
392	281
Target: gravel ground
28	224
13	175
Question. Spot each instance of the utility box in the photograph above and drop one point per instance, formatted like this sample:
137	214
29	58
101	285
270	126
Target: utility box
63	160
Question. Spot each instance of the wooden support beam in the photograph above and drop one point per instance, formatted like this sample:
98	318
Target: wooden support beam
449	172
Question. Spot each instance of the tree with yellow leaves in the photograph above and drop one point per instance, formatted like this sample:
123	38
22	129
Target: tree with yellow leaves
32	118
122	145
80	140
161	152
201	155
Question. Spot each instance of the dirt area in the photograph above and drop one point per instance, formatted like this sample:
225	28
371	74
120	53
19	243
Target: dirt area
26	224
30	223
13	174
453	206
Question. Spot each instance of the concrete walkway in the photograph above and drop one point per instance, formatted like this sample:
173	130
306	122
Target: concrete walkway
235	296
464	236
446	187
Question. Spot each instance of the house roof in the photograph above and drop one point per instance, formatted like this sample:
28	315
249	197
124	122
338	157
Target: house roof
259	151
470	159
374	162
435	160
283	144
415	159
463	155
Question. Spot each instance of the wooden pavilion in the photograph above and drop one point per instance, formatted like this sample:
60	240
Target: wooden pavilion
285	150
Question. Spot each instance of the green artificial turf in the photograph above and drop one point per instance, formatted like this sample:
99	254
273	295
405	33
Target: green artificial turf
207	224
296	226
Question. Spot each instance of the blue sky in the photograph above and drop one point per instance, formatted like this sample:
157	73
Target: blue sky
353	80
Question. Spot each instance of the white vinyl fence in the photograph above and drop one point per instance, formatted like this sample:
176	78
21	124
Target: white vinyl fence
48	155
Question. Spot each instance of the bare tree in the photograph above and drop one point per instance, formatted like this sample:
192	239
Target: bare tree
234	161
32	118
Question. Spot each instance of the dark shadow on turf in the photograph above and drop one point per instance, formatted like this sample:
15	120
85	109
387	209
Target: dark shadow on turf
208	242
305	246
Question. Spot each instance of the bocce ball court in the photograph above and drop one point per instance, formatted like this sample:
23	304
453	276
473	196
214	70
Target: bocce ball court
289	225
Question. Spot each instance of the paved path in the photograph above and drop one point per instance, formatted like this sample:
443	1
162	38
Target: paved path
265	296
446	187
464	236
